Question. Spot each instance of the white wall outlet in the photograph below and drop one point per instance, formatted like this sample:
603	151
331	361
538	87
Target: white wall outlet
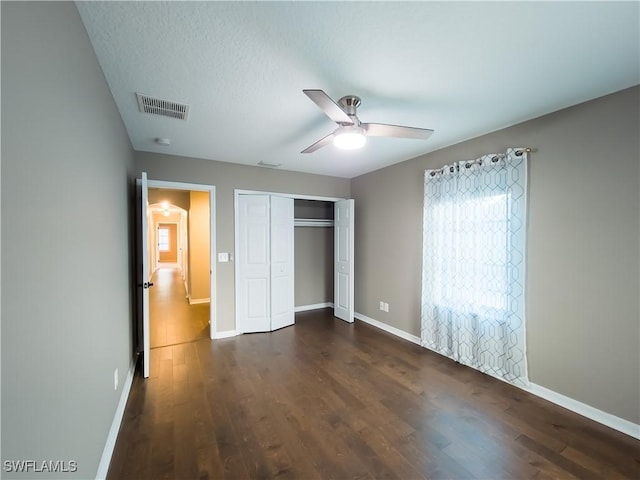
115	379
223	257
382	306
386	307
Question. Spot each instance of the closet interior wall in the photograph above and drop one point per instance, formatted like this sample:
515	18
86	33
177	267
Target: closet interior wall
314	247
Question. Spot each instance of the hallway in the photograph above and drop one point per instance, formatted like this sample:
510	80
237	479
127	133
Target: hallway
172	319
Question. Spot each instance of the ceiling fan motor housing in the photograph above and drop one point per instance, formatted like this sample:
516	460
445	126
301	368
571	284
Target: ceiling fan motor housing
349	104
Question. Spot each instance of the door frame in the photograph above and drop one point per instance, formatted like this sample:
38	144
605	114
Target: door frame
236	245
212	237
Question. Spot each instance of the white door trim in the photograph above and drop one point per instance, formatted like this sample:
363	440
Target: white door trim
212	225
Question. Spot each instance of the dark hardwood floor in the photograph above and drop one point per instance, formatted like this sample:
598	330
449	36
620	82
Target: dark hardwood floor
328	400
172	319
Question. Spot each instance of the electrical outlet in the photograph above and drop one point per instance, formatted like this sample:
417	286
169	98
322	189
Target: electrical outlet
115	379
386	307
382	306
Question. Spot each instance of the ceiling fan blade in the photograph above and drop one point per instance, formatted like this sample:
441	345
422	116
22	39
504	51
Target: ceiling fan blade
328	106
319	144
382	130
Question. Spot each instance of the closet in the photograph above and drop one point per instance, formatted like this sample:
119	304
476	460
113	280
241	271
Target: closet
313	224
266	258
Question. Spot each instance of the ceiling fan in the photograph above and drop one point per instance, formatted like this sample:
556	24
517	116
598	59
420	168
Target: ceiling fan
351	133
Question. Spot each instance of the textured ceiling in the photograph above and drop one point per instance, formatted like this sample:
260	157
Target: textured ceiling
462	69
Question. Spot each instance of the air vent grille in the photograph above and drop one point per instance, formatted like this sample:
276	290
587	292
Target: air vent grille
165	108
269	165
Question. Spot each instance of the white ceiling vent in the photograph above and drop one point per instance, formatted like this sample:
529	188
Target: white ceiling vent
165	108
269	165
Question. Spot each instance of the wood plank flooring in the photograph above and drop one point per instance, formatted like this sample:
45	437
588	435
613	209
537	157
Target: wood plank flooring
328	400
172	319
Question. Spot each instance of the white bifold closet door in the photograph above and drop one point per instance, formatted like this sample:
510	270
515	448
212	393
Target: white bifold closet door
343	285
266	263
282	262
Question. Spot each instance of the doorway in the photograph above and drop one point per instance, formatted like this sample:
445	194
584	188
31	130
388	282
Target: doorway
193	276
173	315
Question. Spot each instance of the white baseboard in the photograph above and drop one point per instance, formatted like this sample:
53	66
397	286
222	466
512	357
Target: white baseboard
388	328
592	413
196	301
225	334
315	306
103	467
607	419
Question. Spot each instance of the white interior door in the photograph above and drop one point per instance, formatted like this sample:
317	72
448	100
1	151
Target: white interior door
253	297
145	280
282	263
343	259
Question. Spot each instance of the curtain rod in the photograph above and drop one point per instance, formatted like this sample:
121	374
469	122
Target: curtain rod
495	158
526	149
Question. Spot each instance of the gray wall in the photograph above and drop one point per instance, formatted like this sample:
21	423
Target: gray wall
226	177
66	308
313	265
313	255
313	209
583	316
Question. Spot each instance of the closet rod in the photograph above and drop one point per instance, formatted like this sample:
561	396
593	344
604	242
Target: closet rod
312	222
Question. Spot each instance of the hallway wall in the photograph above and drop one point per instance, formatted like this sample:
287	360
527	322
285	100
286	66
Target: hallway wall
179	198
199	247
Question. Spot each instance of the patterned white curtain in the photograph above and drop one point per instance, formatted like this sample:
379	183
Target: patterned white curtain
473	273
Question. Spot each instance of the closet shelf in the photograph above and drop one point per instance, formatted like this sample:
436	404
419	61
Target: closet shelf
312	222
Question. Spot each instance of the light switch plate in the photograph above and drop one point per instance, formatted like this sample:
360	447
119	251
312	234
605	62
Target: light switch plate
223	257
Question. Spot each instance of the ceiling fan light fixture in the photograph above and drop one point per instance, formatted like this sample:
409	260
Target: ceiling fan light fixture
351	133
349	138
